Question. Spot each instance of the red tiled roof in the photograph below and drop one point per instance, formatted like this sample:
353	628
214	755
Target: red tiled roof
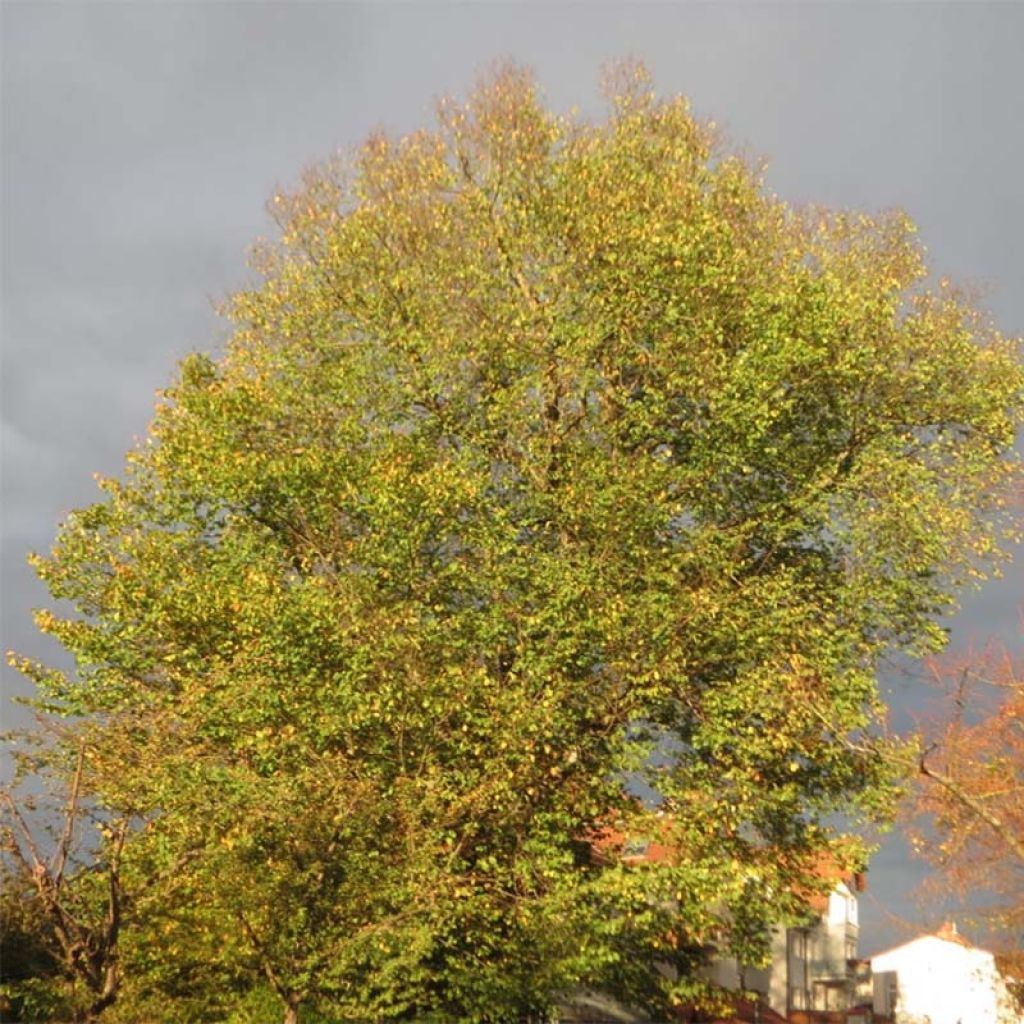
828	869
611	843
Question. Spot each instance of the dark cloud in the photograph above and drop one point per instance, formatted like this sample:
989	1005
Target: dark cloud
141	140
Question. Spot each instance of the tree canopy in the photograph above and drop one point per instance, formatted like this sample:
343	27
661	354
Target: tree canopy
558	481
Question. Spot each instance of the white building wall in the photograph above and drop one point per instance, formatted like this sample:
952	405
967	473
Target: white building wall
769	981
820	971
936	981
777	980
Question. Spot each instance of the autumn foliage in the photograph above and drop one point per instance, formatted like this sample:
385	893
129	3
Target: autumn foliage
969	796
550	462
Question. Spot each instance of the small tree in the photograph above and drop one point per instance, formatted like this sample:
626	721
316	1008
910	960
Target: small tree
544	445
29	963
90	884
71	909
969	796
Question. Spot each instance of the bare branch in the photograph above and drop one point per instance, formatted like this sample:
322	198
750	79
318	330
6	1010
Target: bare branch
26	833
974	805
70	814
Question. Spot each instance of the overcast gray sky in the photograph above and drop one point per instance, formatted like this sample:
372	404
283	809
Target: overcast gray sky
141	141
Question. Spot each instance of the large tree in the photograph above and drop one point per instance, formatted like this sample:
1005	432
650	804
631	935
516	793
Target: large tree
557	476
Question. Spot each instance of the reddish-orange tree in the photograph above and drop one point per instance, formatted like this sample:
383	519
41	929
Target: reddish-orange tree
970	787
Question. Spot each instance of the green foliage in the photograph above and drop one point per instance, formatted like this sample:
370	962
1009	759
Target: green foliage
543	445
31	986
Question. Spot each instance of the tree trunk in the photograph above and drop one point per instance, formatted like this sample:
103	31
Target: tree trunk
291	1014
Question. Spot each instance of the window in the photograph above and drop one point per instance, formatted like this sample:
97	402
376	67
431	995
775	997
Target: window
820	996
635	848
892	991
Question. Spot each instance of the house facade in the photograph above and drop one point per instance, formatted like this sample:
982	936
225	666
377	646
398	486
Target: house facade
813	968
814	972
815	976
940	979
822	958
